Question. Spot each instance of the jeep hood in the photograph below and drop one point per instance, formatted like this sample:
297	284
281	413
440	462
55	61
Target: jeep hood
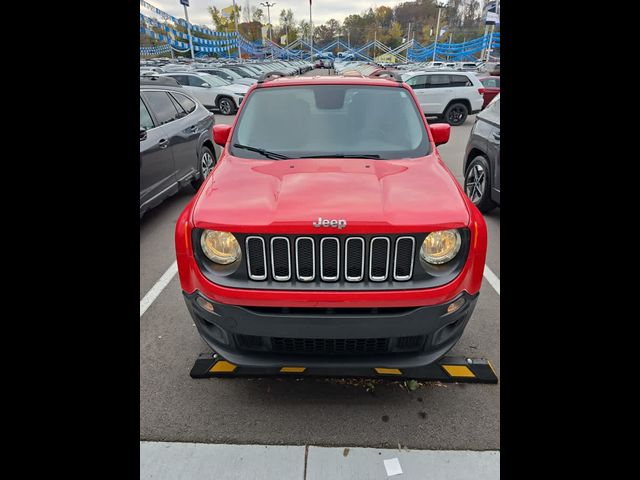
280	196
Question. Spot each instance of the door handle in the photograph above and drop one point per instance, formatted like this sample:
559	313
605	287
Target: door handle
496	135
163	143
193	128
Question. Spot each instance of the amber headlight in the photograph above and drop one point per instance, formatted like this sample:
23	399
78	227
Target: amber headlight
220	247
440	247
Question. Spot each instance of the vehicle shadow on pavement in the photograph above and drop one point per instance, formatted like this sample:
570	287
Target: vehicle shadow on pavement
179	200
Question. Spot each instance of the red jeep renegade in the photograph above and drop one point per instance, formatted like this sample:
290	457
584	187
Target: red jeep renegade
330	232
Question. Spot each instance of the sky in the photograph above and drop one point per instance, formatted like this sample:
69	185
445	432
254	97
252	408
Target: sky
322	10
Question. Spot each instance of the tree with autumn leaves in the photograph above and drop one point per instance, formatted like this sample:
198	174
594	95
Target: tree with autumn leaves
461	19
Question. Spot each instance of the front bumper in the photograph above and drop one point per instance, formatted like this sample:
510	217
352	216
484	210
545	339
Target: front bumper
433	332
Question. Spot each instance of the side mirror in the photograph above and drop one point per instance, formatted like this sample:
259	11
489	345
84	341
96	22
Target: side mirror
440	132
143	134
205	85
221	134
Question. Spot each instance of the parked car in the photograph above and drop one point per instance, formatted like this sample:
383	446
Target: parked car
491	89
245	71
482	159
467	66
213	92
330	234
151	69
176	140
447	95
228	75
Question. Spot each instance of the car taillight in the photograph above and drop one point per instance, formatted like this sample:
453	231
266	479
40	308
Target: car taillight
481	90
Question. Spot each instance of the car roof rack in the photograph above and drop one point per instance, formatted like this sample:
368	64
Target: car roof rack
382	73
269	75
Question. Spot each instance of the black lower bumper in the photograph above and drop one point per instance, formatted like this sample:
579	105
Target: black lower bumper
320	337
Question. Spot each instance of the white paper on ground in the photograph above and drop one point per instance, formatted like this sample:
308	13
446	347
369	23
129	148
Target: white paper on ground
393	467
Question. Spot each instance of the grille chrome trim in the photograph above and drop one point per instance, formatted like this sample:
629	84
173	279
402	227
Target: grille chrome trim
264	257
322	276
280	278
403	278
372	277
313	260
346	259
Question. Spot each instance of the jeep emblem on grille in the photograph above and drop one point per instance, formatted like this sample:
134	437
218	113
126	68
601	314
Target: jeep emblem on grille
330	223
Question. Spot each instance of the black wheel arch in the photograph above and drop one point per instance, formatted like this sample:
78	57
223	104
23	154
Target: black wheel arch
223	95
473	153
463	101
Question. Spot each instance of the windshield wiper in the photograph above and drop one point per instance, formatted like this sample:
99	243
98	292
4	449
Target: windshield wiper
261	151
349	155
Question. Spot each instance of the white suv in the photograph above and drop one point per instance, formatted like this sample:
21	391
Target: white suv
214	92
448	95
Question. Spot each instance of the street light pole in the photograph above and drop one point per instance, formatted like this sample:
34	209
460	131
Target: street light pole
491	34
269	5
186	16
311	30
235	16
440	7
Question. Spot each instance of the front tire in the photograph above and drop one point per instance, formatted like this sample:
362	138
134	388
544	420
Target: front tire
205	165
456	114
227	106
477	184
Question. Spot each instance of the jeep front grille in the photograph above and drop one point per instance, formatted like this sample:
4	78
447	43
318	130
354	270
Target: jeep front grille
330	259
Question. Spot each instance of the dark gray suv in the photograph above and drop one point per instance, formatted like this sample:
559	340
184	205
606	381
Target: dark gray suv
482	159
176	140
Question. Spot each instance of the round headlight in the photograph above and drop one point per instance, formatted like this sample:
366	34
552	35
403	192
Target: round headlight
440	247
220	247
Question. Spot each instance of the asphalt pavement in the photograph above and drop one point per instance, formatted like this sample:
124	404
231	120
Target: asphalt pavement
323	412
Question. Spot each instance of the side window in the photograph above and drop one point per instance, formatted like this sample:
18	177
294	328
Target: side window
195	81
181	111
489	82
187	104
181	79
224	75
162	106
417	82
145	118
492	111
437	81
497	80
460	81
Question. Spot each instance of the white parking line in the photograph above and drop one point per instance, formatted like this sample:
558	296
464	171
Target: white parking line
491	277
156	290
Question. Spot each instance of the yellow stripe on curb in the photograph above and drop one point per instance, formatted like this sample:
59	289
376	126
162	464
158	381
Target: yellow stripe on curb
388	371
458	371
223	366
292	369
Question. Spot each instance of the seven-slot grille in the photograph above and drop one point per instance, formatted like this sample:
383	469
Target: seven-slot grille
330	259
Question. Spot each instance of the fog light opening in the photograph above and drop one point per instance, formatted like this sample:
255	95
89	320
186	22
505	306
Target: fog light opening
207	305
455	306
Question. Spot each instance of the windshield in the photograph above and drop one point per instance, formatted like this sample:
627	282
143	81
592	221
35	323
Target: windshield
331	120
213	80
231	73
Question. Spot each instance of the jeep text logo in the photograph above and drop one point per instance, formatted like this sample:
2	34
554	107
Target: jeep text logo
330	223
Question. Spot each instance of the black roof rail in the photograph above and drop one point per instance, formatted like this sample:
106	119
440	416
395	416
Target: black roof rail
267	76
395	75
